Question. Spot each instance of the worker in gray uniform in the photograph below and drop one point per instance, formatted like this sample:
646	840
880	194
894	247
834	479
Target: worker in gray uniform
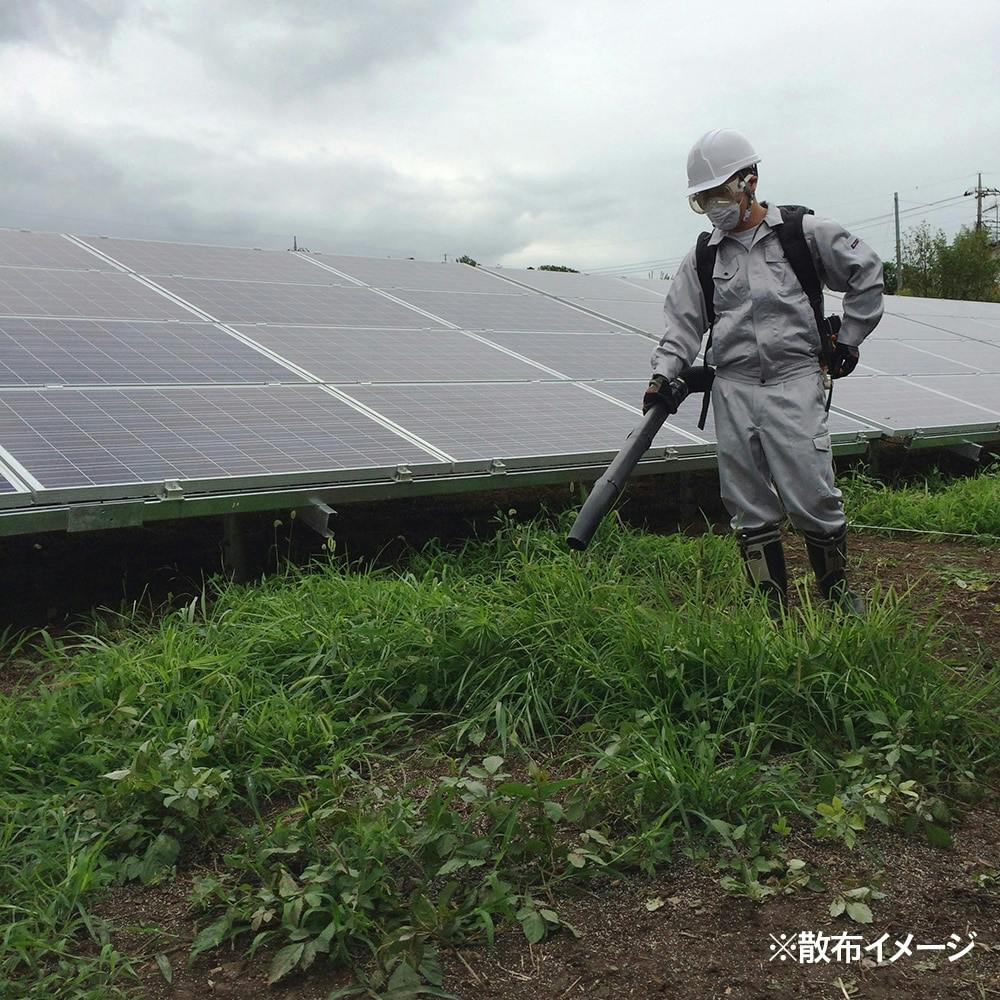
770	392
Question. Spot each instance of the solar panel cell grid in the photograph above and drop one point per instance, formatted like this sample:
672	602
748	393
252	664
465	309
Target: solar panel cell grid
473	311
580	286
83	294
159	259
975	355
895	357
72	438
657	285
583	356
6	487
288	304
943	327
343	356
686	418
507	421
20	249
911	305
429	276
646	316
86	352
900	405
978	389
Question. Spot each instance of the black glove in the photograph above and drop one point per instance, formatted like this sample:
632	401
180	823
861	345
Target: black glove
844	360
672	392
664	392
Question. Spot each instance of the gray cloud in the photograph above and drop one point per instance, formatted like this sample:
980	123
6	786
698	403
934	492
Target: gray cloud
64	25
344	204
282	50
524	133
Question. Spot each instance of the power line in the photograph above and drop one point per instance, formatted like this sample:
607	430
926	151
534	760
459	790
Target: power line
648	265
873	222
905	211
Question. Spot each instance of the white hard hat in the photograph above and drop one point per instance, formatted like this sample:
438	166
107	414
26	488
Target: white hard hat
716	156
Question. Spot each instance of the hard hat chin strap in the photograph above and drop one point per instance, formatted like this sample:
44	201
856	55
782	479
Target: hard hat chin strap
745	189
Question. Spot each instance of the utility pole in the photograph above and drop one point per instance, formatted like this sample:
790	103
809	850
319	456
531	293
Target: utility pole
980	192
899	256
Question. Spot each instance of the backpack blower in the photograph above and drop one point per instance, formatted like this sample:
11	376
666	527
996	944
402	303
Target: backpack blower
608	488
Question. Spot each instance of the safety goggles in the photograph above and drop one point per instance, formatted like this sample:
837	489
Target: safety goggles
724	194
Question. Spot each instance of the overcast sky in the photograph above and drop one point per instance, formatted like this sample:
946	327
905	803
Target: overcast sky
522	132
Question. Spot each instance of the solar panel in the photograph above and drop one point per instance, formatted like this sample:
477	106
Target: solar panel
686	418
646	316
475	311
895	357
161	394
583	355
912	305
105	352
976	389
942	327
901	405
429	276
657	285
338	355
897	328
24	249
155	259
72	437
507	421
579	286
83	294
975	355
291	304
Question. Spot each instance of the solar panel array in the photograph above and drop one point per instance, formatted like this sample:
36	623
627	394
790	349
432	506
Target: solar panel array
126	365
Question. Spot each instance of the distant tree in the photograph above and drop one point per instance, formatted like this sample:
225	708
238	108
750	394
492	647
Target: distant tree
466	259
966	268
969	269
922	261
558	267
889	276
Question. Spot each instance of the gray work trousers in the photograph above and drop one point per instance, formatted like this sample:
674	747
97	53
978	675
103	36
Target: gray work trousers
775	455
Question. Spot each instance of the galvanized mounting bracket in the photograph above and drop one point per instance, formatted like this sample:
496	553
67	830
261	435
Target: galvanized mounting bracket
967	449
317	516
102	516
497	468
172	490
403	474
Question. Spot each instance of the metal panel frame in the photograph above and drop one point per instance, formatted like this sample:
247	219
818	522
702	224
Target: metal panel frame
125	512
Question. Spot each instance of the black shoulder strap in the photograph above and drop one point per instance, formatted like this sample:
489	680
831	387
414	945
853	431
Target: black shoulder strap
796	250
793	243
705	262
704	258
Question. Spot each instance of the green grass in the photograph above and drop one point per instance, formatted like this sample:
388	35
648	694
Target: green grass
937	503
625	708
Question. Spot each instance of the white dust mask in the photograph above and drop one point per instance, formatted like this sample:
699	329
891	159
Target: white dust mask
725	215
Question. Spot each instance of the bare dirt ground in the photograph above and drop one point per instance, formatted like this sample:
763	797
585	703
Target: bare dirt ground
697	943
679	934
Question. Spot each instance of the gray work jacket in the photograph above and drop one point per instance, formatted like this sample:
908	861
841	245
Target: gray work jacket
765	330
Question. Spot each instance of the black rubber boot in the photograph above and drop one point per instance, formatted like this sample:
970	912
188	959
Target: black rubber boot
828	556
765	562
